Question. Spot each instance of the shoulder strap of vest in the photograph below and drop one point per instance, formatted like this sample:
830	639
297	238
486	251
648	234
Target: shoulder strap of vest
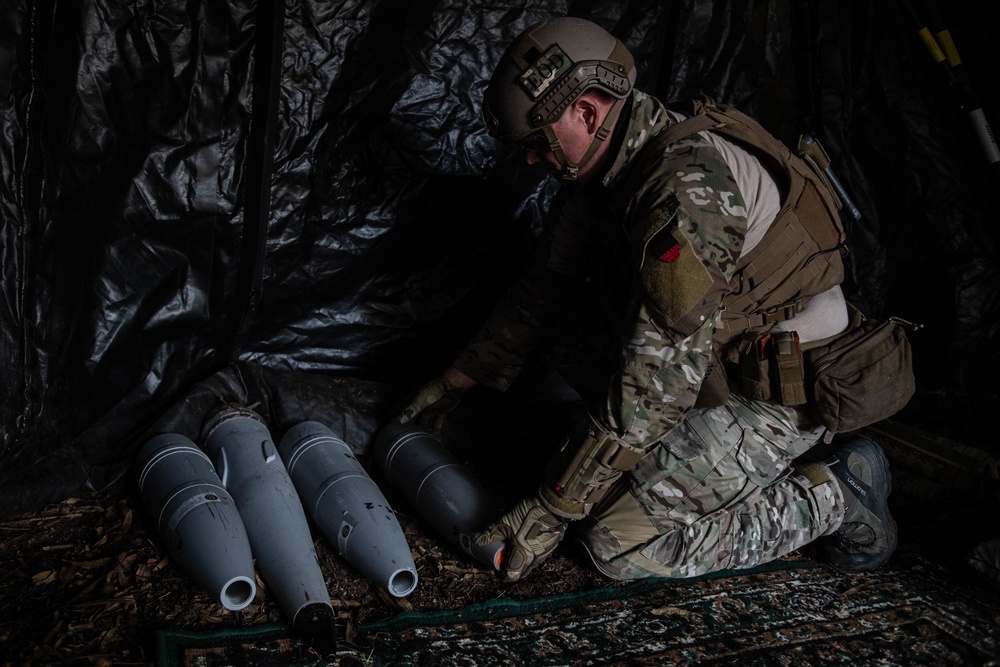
707	115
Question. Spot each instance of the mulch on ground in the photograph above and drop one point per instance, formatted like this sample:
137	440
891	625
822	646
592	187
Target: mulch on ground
87	581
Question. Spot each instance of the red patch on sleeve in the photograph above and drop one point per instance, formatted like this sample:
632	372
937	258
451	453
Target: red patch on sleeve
672	254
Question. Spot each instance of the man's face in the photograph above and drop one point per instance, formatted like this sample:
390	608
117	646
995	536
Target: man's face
574	135
537	151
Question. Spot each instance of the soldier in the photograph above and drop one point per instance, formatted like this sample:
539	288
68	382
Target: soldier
726	262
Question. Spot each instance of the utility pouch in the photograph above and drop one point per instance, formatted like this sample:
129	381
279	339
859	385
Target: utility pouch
772	368
860	376
755	365
790	375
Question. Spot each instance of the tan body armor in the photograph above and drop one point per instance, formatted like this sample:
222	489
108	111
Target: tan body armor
798	258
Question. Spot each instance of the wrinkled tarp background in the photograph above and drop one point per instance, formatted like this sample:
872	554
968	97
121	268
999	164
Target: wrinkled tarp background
296	204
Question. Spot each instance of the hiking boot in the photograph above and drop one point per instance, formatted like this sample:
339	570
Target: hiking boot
867	536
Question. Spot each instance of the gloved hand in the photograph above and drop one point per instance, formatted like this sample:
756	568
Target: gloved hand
531	533
436	400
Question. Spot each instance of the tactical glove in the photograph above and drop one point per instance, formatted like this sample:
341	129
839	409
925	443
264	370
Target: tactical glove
432	404
531	533
590	463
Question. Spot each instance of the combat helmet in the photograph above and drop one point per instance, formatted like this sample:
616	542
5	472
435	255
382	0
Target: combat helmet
545	70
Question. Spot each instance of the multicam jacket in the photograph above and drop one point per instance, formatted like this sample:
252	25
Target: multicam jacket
672	231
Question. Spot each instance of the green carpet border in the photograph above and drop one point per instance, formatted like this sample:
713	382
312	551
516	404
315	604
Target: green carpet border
496	608
168	641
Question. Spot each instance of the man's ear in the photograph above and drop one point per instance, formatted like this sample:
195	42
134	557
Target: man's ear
589	112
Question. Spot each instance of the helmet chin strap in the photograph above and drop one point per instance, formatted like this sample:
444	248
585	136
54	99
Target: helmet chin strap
570	172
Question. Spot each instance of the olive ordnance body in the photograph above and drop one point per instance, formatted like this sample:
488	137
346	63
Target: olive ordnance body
348	506
443	491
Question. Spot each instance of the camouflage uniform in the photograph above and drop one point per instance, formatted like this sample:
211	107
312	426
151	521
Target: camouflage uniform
715	489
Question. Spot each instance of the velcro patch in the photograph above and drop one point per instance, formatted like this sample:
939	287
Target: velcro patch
545	71
673	274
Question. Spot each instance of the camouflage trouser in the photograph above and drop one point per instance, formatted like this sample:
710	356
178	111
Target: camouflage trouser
718	493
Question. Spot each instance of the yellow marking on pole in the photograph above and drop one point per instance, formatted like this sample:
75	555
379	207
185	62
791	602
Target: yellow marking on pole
946	42
931	44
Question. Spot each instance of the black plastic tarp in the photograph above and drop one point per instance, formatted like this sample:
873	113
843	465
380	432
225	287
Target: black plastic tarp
297	202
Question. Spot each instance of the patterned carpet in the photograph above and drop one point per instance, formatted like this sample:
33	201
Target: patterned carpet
793	612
